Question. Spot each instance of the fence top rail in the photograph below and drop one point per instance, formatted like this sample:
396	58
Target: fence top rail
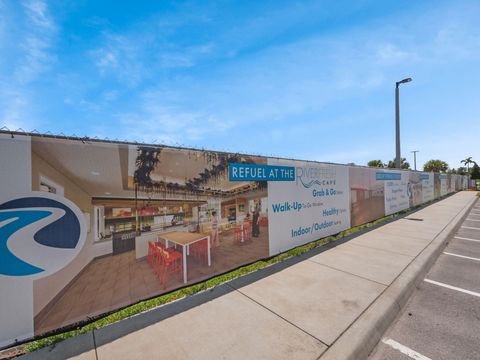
87	139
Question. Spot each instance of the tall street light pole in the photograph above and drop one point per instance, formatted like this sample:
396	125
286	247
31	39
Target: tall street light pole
415	158
398	159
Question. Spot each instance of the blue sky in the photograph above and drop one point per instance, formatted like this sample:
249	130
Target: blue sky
307	79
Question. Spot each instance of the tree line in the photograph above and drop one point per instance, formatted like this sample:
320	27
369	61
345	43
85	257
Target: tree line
435	165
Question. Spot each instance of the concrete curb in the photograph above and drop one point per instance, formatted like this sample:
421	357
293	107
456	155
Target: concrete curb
363	335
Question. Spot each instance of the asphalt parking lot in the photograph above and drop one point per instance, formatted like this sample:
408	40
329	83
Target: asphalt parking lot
442	318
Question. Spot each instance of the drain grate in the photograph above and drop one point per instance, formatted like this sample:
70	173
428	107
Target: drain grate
414	219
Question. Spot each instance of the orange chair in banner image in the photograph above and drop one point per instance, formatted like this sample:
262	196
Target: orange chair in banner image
171	263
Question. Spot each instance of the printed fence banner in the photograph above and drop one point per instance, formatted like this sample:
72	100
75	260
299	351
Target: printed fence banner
88	227
415	189
396	190
436	185
443	184
451	183
315	205
83	223
458	182
427	187
367	195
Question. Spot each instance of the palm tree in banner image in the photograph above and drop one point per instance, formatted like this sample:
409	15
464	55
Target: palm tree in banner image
467	163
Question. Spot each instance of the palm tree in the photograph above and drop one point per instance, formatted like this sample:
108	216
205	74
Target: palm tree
467	163
435	166
403	164
376	163
475	171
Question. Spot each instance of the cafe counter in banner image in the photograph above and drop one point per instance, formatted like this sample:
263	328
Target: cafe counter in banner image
185	201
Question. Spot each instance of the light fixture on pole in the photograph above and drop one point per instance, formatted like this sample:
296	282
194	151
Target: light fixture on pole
398	160
415	158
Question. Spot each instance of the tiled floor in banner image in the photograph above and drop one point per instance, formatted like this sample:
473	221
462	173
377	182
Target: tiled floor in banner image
112	282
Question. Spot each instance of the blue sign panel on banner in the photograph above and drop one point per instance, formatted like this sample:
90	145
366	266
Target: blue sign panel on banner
254	172
388	176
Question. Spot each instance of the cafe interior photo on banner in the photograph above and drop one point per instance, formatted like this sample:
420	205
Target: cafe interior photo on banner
158	218
367	195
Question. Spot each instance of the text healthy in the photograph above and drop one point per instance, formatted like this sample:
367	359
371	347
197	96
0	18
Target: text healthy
254	172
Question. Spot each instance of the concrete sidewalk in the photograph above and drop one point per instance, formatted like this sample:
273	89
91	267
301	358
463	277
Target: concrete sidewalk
335	304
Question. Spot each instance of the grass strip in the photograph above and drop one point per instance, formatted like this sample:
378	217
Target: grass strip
207	284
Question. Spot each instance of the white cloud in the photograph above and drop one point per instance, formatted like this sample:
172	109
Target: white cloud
119	58
155	121
390	54
36	44
14	109
106	60
185	57
141	52
3	22
38	14
110	95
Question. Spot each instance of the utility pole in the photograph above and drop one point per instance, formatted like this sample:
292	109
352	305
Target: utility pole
415	158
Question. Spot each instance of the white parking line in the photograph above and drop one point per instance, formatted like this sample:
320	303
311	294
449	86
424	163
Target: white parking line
472	219
468	239
470	227
452	287
461	256
404	349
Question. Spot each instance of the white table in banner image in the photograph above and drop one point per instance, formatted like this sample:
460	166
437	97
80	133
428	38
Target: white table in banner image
185	239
